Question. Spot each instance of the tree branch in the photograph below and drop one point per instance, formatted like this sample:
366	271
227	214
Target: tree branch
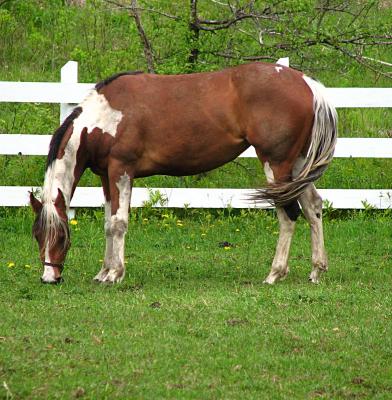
133	10
195	33
148	52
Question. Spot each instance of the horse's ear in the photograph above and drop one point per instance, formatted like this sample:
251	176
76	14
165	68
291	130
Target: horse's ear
35	203
60	205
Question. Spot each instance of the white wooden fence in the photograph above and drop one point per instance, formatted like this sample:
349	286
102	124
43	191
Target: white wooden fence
68	93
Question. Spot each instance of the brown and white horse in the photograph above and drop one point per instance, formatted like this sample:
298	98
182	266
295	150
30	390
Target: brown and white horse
135	125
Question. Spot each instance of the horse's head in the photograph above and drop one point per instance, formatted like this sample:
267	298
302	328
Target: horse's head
52	233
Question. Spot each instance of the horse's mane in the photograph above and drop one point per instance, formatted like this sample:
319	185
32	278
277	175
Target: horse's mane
59	134
106	81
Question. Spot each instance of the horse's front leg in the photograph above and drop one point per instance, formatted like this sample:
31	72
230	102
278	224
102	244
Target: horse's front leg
116	226
100	277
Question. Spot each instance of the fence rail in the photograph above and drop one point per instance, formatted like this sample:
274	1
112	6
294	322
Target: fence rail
69	92
38	145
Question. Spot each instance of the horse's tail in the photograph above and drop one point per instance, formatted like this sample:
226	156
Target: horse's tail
319	155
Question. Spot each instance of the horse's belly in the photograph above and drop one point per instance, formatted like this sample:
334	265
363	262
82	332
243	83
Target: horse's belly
189	160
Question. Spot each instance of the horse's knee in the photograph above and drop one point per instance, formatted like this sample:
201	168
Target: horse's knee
108	228
118	226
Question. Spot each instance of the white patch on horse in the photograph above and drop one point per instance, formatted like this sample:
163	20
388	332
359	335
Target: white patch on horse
108	261
97	113
108	234
278	69
119	221
124	188
48	274
280	268
60	175
268	172
119	227
312	206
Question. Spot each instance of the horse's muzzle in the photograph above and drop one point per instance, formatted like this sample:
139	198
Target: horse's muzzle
52	273
57	281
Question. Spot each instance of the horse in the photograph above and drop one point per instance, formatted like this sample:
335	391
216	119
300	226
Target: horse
136	124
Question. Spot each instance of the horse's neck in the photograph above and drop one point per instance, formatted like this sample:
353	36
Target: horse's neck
64	173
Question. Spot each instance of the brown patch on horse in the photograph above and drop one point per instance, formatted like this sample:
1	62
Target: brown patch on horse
61	205
35	203
173	125
97	145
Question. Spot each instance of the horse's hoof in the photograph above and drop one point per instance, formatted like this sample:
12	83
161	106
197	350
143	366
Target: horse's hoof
114	276
103	281
57	281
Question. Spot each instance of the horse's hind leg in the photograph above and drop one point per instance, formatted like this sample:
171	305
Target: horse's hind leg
311	204
287	217
280	268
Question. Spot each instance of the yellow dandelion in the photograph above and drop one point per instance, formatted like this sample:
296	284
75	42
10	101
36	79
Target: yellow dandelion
227	247
203	234
11	264
179	224
237	230
27	266
73	222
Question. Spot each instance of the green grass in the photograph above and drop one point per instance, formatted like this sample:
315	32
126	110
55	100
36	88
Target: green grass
191	319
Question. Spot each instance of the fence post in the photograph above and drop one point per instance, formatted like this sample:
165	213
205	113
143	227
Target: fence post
285	61
69	74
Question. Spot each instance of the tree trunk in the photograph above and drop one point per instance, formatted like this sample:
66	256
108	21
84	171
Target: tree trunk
148	52
195	32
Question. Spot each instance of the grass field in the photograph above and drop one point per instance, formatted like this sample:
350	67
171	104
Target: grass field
192	319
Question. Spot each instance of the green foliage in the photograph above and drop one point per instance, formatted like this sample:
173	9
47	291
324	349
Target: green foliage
104	39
